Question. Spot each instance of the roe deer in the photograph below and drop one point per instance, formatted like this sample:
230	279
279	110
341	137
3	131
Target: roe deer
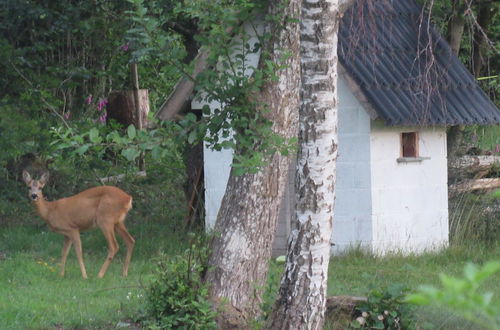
105	207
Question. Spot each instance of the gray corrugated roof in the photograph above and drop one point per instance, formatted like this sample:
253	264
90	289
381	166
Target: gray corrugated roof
379	47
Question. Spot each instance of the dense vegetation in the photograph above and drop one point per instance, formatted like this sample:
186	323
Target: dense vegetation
59	62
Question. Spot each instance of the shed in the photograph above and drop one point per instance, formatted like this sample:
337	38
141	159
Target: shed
394	107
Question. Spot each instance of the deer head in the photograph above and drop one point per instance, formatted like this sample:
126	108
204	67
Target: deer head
36	186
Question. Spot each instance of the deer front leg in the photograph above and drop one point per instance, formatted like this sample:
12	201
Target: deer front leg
65	251
75	238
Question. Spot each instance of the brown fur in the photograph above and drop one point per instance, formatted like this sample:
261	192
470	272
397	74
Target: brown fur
105	207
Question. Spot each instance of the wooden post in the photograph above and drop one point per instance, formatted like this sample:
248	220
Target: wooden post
121	107
135	88
138	112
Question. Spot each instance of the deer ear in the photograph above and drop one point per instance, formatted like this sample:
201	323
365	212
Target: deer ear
45	177
26	177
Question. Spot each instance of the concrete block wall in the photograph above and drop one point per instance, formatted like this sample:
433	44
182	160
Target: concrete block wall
381	205
352	214
409	199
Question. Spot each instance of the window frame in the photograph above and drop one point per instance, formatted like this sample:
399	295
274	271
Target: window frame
404	138
416	158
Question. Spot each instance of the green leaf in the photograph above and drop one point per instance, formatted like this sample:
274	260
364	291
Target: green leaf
62	146
395	289
487	270
355	325
94	135
130	153
470	271
79	139
83	149
192	137
417	299
451	283
131	132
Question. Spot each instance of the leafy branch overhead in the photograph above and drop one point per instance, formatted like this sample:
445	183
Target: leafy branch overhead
129	145
463	295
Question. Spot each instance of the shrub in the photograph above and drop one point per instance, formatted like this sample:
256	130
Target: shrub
178	298
385	308
462	296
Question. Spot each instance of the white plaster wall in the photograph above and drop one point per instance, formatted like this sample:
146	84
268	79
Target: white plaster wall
380	204
352	214
409	200
217	164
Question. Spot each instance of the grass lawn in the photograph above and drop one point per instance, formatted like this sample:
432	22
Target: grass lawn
34	296
354	273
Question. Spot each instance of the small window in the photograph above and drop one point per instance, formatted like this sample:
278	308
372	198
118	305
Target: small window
409	144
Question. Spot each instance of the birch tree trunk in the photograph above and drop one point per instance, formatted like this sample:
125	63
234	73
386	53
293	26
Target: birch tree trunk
248	215
302	295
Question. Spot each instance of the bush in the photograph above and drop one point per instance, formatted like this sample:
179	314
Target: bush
384	309
177	298
461	295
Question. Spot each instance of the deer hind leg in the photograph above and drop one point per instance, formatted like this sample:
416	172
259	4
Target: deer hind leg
129	241
74	236
65	251
109	234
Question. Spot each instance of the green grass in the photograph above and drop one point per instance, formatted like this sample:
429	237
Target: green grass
354	273
34	296
487	138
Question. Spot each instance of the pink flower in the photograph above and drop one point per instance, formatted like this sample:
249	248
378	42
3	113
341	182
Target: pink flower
101	104
102	118
88	100
66	115
497	148
125	47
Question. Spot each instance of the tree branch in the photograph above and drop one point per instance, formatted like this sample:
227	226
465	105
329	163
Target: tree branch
51	108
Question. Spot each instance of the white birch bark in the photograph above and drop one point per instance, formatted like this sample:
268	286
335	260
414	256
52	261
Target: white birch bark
302	296
249	211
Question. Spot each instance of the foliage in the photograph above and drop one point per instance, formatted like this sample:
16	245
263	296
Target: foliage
384	309
240	121
21	137
269	295
484	139
178	298
20	134
54	49
441	12
473	219
37	298
461	295
100	141
68	50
